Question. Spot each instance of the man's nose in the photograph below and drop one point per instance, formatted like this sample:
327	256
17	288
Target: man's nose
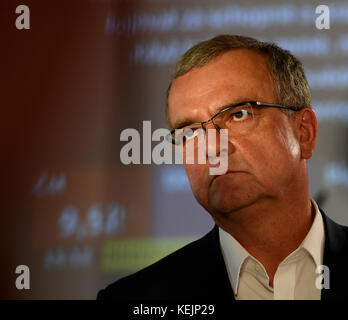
213	141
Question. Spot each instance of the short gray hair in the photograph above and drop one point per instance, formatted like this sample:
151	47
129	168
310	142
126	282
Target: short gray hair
291	86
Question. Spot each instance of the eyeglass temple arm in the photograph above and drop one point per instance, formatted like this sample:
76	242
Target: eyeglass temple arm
275	105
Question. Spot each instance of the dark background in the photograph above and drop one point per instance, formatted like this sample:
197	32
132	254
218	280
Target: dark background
85	71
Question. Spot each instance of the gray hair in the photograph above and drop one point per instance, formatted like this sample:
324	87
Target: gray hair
291	86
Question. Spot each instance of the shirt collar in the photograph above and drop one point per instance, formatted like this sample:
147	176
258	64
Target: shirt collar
235	254
314	240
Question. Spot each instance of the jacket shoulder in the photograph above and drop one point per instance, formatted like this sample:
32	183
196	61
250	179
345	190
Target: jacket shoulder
179	271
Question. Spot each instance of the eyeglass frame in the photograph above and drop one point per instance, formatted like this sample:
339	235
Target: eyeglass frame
258	103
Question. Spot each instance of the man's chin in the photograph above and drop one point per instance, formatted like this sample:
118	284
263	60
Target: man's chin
230	200
227	207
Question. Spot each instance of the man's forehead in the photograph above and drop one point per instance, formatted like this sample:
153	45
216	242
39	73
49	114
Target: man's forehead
236	76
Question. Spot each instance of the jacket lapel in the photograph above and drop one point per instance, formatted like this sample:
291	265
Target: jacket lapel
335	258
218	283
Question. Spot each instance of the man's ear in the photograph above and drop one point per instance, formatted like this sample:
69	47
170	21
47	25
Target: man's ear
308	128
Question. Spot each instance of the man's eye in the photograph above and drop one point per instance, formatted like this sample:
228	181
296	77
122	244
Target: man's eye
240	115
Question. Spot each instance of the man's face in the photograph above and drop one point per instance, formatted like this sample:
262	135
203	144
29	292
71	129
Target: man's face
261	164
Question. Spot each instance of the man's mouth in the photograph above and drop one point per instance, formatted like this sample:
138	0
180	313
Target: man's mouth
228	172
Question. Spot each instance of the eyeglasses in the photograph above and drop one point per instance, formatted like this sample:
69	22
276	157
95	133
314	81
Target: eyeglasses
238	118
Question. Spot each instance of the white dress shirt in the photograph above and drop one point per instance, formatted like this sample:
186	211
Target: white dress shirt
295	278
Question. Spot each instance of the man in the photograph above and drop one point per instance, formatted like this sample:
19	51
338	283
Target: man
270	240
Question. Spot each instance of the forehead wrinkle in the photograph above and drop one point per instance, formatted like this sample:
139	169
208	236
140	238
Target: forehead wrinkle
187	119
231	102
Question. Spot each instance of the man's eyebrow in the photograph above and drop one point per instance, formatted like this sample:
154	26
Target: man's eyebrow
187	121
235	102
182	123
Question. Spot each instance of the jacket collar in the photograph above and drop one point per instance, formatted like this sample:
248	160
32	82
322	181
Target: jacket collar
335	258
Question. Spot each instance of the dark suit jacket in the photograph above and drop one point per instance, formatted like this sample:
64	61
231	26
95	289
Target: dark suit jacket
198	272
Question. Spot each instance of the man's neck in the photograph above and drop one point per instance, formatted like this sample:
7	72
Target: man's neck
271	231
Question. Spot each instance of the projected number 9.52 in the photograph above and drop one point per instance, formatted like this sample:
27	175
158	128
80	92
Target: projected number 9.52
98	221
